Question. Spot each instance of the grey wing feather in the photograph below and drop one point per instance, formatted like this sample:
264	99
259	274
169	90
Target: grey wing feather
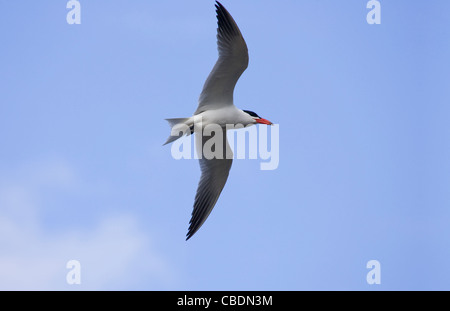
213	178
232	62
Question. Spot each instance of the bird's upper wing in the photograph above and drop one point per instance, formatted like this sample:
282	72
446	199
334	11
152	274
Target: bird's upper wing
214	176
232	62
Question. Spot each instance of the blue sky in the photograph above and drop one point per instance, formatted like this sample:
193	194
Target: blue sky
364	167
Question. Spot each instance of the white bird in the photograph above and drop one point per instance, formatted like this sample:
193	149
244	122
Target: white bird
216	107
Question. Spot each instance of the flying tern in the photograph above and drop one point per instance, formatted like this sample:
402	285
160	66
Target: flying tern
216	107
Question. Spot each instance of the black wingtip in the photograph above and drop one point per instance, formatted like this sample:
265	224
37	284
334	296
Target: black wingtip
225	22
219	7
189	235
192	230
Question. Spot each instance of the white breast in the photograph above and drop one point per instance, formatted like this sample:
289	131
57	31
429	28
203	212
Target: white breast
226	115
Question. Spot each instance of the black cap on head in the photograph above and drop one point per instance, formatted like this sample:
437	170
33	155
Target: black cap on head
251	113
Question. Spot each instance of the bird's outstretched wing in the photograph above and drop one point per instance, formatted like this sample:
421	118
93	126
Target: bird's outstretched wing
214	176
232	62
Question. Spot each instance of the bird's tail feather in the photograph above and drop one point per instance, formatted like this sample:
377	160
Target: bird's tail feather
179	128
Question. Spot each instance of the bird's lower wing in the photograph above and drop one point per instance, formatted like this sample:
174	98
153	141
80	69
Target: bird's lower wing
215	165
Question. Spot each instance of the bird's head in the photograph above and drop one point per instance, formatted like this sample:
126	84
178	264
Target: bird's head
257	118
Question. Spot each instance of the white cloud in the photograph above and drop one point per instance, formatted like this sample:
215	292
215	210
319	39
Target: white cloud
114	254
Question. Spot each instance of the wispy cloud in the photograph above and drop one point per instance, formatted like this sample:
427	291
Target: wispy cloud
114	252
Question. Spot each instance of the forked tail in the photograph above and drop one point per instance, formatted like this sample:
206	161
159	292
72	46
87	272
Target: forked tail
179	128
